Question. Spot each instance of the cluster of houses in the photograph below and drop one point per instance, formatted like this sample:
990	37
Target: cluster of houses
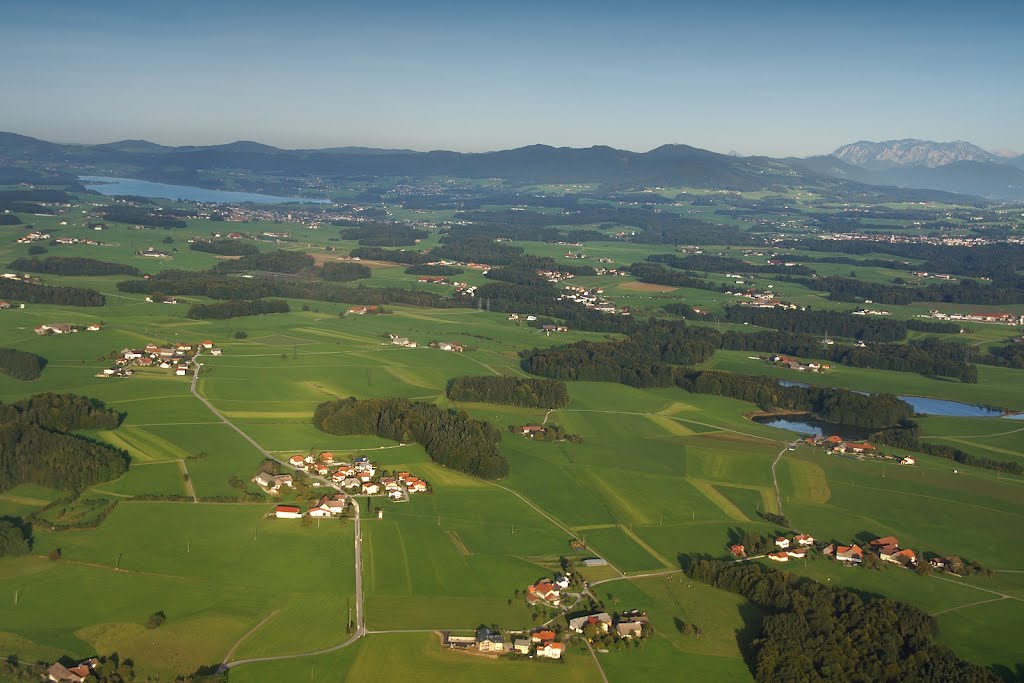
65	328
784	362
34	236
542	643
592	299
327	506
515	317
555	276
796	547
58	673
547	591
835	445
887	548
935	276
361	476
76	240
153	252
362	310
627	625
176	357
407	343
869	311
998	318
165	300
402	341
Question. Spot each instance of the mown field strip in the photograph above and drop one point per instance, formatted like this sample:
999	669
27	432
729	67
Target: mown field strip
720	501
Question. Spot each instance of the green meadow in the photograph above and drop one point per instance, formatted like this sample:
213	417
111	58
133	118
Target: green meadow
660	475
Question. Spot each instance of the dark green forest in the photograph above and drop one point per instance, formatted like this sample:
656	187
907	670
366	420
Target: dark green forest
450	438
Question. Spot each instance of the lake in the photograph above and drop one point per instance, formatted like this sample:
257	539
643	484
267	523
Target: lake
806	424
932	406
144	188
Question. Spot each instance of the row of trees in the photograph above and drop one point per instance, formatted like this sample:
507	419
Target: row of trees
279	261
46	294
450	438
236	309
71	265
725	264
835	323
513	391
20	364
344	271
830	404
657	274
816	632
907	435
964	292
221	286
643	359
384	234
928	356
150	217
1008	356
36	446
225	247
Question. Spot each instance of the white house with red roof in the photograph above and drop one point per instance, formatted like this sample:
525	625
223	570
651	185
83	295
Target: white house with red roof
287	512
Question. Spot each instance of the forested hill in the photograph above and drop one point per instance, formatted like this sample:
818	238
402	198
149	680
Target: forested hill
672	165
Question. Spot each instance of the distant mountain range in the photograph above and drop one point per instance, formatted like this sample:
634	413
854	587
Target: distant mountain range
957	167
878	156
951	166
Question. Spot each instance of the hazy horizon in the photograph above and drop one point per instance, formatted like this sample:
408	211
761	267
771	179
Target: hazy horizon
797	80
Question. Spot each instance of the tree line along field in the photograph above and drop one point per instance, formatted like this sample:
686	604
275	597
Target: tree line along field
659	473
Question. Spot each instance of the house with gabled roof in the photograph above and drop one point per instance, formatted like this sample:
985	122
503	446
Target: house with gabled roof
550	650
601	620
780	556
849	553
287	512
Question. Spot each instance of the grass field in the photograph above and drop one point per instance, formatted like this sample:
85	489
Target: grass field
660	475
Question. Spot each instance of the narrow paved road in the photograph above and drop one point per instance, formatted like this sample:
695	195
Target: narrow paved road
775	480
360	629
189	489
600	669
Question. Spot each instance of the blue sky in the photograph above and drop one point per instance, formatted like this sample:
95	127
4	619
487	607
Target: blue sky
761	78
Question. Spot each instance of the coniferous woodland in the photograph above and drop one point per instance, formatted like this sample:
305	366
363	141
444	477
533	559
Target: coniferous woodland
225	247
725	264
835	323
928	356
652	358
35	446
71	265
279	261
511	391
384	234
814	632
643	359
221	286
236	309
45	294
966	292
20	364
150	217
344	271
450	438
657	274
